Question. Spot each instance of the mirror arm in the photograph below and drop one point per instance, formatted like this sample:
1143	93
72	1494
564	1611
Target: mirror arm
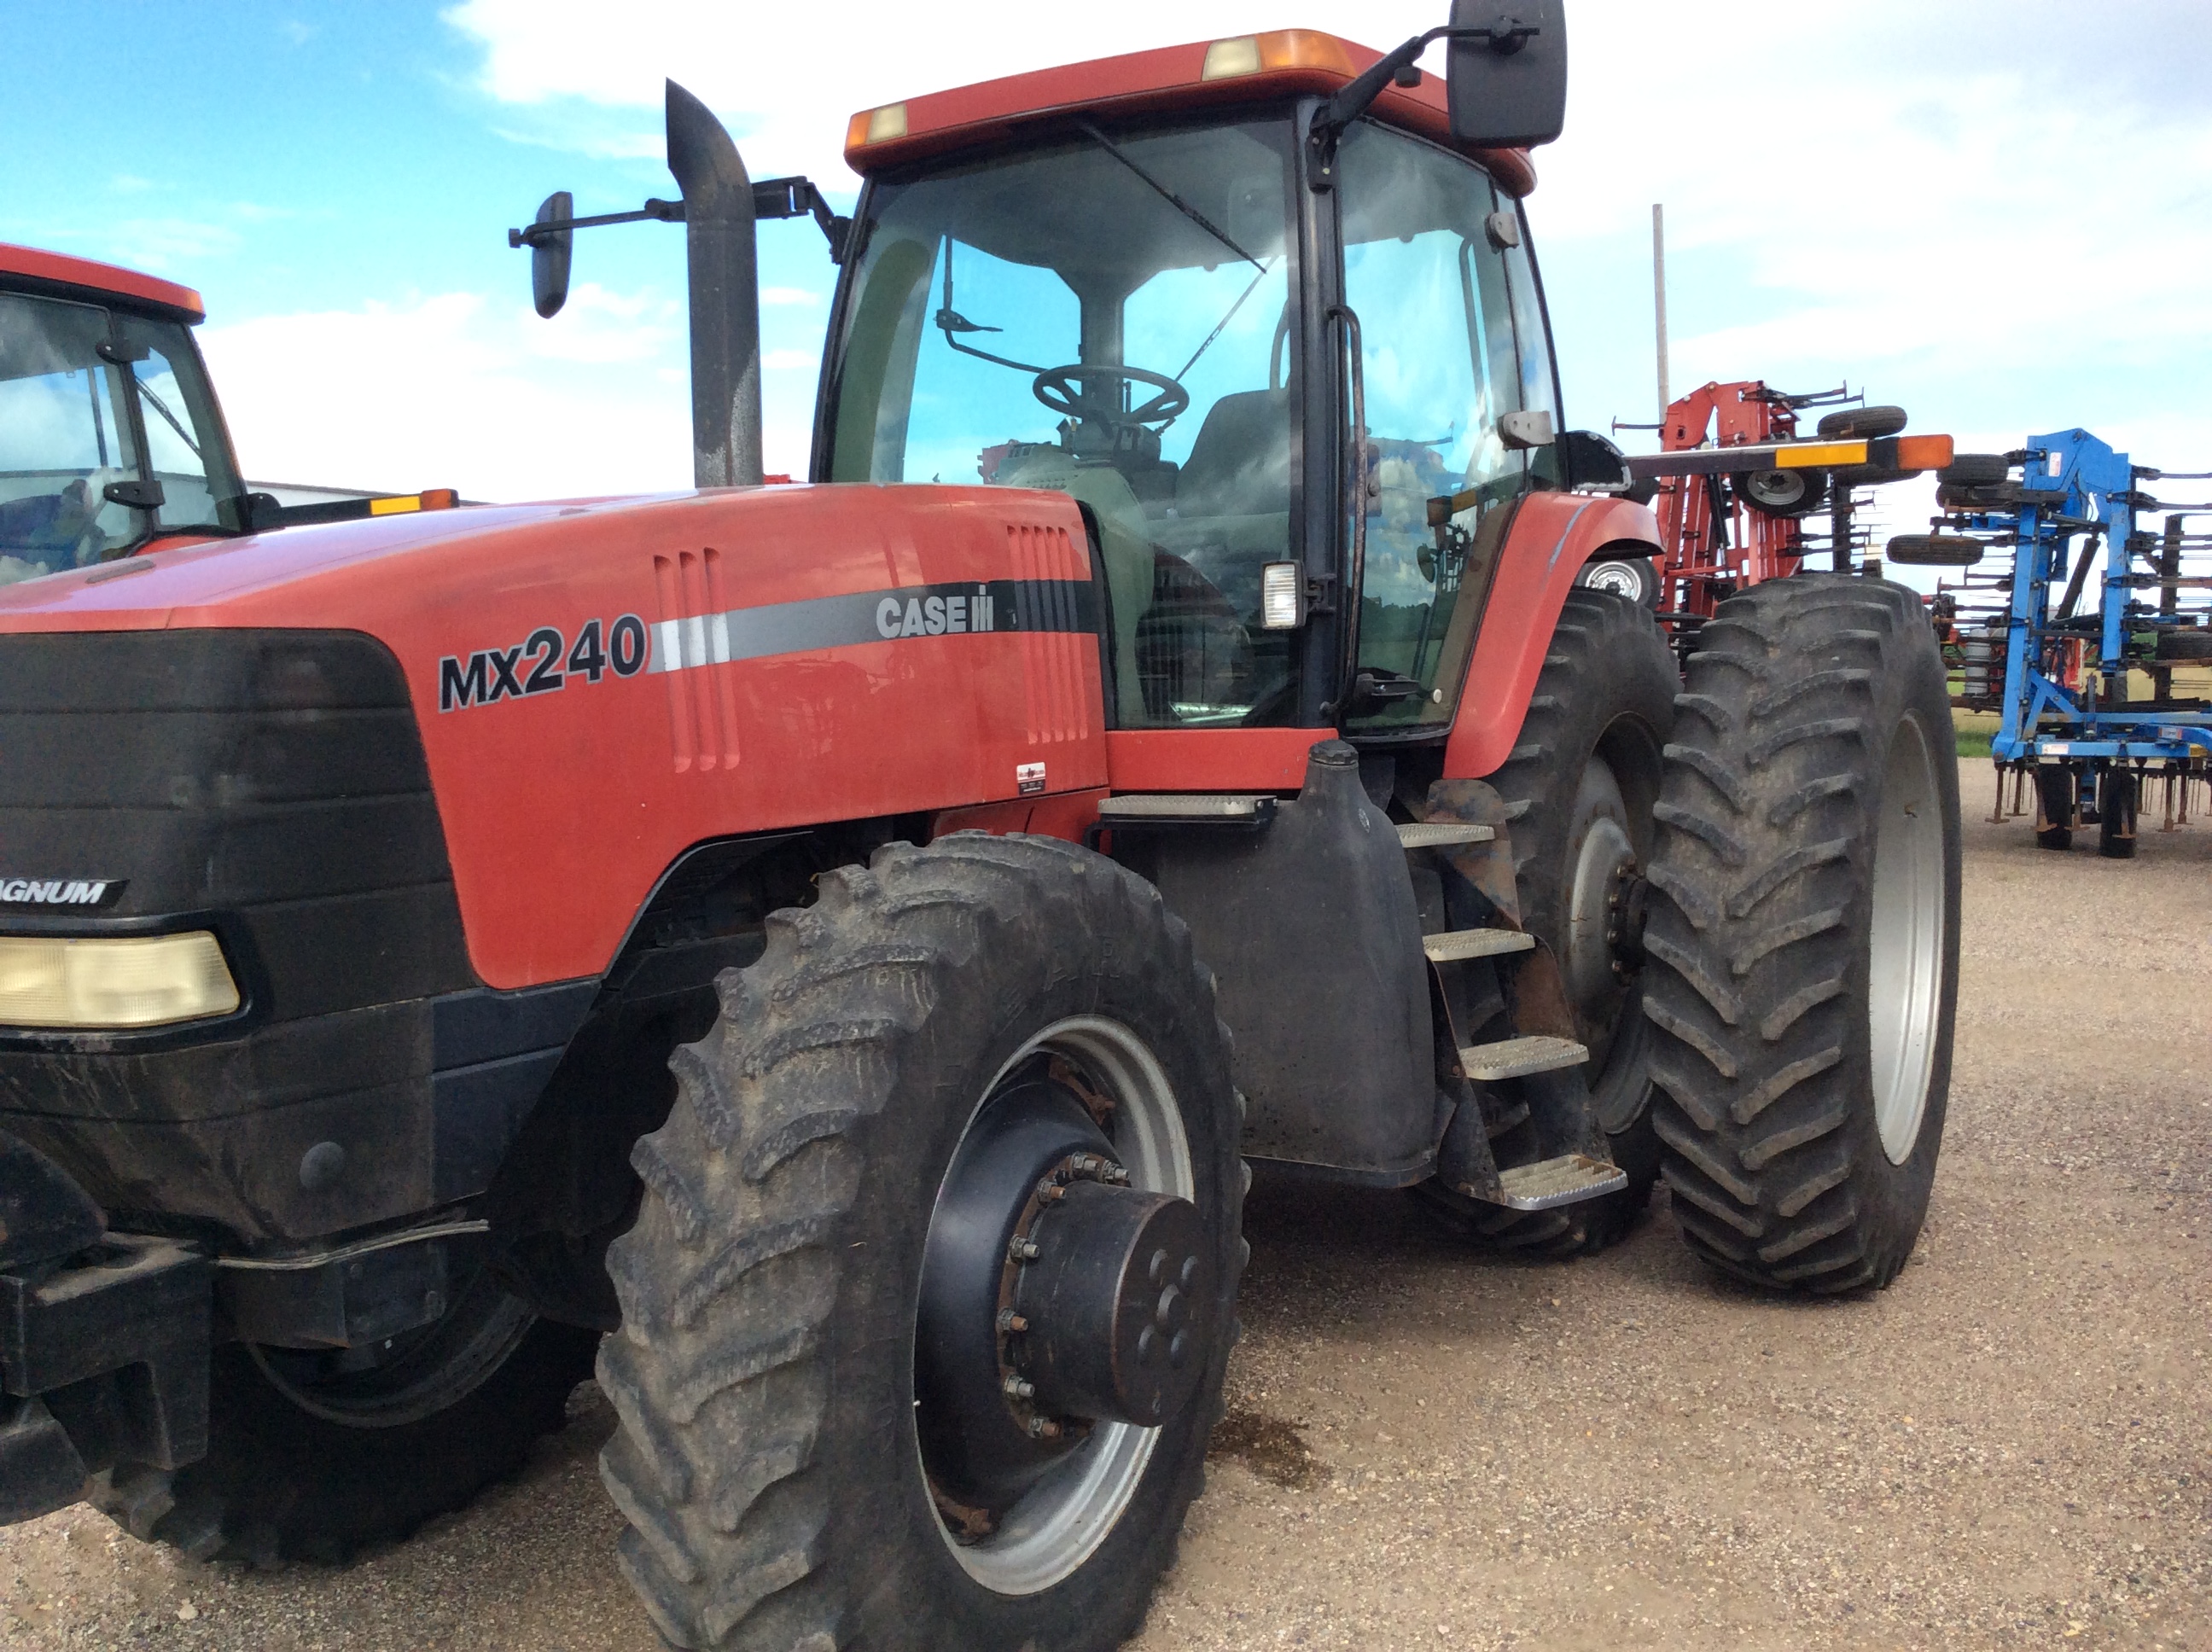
665	211
1335	115
773	197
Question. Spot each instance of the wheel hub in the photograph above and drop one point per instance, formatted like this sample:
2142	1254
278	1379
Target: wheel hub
1055	1297
1100	1326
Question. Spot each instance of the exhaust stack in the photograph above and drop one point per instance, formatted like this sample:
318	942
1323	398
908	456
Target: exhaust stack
725	295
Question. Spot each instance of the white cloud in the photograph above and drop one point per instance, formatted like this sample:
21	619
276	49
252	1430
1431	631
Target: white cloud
163	243
764	69
455	390
2002	237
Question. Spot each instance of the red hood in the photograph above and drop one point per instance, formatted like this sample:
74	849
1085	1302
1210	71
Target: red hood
337	573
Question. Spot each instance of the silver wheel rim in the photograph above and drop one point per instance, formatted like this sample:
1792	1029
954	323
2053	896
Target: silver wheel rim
1622	579
1593	878
1780	489
1904	976
1051	1532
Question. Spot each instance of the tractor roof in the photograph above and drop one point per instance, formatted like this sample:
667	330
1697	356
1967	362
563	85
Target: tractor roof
68	277
1284	63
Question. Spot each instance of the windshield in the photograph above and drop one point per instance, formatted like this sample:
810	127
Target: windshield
1109	318
91	402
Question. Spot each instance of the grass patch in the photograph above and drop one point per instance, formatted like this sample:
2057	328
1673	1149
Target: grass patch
1974	731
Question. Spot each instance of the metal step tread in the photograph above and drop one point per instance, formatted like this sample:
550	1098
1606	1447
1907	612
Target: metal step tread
1516	1058
1455	945
1441	834
1187	805
1567	1180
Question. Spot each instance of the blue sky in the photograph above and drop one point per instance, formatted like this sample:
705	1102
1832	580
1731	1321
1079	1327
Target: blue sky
1998	214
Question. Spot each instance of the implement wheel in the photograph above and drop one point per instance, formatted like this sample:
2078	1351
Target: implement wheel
925	1316
1804	952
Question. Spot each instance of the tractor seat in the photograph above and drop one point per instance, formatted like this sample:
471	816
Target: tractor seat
1240	461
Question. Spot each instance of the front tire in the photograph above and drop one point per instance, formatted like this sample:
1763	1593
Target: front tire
315	1456
798	1462
1804	977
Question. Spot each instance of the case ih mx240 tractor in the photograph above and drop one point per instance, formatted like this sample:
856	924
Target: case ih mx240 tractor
829	952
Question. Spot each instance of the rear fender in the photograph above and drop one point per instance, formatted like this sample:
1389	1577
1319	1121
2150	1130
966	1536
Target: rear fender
1553	535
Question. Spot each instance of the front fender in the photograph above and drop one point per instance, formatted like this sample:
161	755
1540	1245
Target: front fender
1553	535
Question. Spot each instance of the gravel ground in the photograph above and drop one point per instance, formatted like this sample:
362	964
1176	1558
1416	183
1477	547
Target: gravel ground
1431	1448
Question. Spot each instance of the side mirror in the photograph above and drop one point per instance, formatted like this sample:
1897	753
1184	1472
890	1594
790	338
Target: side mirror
1530	428
1507	72
1590	461
549	253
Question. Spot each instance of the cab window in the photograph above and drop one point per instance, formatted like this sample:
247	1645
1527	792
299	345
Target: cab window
1109	318
80	389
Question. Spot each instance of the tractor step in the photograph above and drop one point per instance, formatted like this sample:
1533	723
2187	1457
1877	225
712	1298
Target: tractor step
1441	835
1248	809
1567	1180
1516	1058
1456	946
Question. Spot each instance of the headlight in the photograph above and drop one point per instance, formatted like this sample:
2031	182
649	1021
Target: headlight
121	981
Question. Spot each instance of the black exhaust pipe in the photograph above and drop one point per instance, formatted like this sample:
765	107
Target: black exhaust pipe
718	217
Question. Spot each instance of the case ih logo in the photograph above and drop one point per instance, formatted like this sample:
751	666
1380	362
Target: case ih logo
59	892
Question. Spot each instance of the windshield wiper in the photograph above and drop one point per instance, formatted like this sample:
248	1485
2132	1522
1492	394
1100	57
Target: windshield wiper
1250	287
949	321
1165	193
162	407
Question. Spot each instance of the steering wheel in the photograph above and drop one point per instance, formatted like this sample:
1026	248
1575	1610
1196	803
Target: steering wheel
1056	388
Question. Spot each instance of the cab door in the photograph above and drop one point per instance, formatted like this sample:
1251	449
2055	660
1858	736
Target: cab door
1450	331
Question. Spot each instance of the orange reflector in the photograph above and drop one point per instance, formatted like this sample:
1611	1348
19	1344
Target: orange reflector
1810	455
430	499
1922	452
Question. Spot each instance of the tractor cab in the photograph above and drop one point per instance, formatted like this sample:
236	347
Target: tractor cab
1165	318
109	434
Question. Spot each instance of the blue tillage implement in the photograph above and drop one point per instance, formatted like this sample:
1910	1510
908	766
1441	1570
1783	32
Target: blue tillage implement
2071	520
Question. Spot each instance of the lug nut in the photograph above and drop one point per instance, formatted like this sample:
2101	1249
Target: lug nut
1022	1250
1043	1428
1050	1191
1020	1387
1010	1321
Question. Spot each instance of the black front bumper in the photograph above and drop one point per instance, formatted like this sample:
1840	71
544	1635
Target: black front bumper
104	1341
102	1362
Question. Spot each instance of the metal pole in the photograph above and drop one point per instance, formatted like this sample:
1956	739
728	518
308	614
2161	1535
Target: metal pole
1659	298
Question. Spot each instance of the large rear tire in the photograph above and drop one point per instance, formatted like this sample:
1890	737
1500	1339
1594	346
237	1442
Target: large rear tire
1584	777
1804	950
798	1462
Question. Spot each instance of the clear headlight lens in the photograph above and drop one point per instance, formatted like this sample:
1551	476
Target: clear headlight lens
138	981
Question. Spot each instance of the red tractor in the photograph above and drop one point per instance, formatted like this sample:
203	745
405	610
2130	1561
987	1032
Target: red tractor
832	952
